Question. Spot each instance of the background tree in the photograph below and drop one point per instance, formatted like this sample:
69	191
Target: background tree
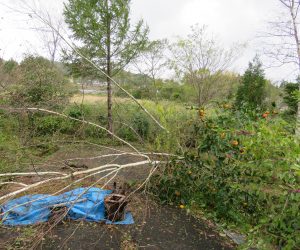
103	29
51	37
40	83
200	61
252	92
8	73
152	62
290	97
284	46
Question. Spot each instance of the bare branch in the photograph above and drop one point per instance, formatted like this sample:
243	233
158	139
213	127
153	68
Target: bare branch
13	183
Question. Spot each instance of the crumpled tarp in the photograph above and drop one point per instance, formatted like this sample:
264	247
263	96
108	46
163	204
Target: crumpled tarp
37	208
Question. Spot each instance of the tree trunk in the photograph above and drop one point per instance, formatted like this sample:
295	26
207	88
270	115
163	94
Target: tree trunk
109	106
109	74
297	130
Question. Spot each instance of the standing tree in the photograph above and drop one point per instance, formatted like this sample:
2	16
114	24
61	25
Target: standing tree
51	37
200	61
152	61
290	97
40	83
284	47
103	30
252	92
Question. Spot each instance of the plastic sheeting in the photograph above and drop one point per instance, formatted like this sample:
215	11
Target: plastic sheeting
83	203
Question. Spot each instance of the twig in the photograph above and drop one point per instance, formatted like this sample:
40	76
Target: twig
14	183
31	174
32	164
64	204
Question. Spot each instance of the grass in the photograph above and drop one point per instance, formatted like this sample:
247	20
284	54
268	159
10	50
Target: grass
172	115
23	141
94	99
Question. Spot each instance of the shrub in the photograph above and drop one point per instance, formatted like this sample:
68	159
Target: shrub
244	171
126	133
134	125
9	66
141	124
46	125
40	83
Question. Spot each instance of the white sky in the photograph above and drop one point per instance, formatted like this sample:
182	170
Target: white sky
233	21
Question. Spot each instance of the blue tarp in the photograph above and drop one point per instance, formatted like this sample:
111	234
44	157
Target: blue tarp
38	207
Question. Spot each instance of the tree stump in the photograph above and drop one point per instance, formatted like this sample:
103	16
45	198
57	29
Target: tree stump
115	206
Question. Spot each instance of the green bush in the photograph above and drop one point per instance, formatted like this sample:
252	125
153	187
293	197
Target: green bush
137	94
79	112
244	170
134	125
141	124
48	125
39	83
126	133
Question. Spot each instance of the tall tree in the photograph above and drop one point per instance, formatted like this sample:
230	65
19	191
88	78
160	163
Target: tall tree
200	60
152	62
285	40
252	92
290	97
51	37
103	29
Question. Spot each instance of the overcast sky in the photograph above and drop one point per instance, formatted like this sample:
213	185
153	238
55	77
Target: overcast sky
233	21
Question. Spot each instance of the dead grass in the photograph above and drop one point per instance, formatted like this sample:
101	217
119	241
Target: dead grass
94	99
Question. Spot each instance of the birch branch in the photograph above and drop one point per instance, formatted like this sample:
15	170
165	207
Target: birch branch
13	183
31	174
119	167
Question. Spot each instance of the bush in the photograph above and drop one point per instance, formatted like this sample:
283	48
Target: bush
40	83
79	112
134	125
127	133
141	124
46	125
244	171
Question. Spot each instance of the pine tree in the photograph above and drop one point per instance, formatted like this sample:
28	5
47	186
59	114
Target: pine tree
252	92
291	97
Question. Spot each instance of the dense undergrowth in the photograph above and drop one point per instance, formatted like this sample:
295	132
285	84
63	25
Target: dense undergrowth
26	137
244	171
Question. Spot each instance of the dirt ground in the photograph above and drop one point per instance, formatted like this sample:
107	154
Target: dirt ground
155	227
